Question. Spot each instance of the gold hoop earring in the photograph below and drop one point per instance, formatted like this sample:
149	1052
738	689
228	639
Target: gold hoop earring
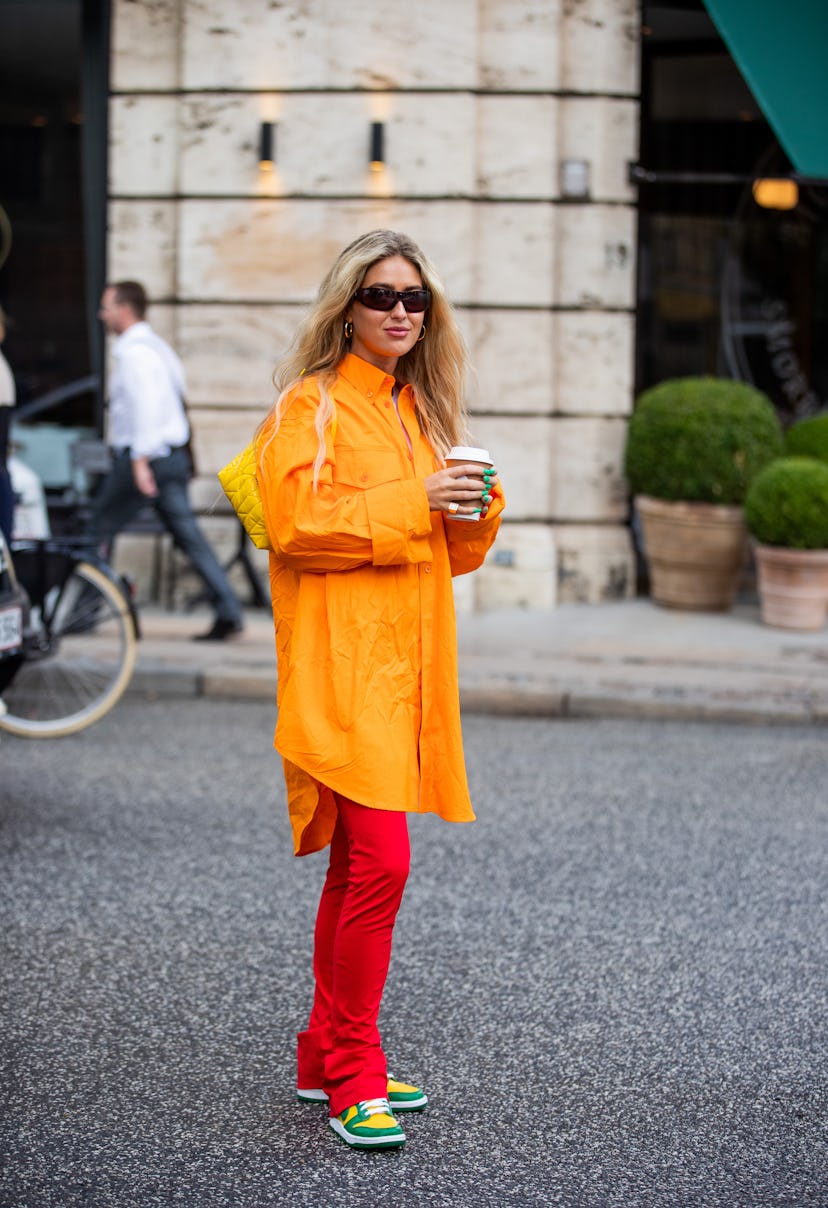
349	329
421	336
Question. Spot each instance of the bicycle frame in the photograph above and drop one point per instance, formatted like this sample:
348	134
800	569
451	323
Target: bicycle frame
43	565
79	640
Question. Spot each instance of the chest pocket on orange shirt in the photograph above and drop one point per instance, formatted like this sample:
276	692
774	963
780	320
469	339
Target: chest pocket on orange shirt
368	467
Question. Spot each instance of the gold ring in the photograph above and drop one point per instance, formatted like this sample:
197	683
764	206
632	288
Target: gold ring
454	507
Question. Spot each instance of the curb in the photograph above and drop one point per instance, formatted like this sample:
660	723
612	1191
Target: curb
525	697
619	660
182	683
646	705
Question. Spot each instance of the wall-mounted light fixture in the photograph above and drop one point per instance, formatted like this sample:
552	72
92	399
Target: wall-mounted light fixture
574	179
776	193
376	155
267	146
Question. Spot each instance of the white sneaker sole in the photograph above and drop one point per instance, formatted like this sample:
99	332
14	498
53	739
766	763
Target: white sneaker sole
365	1142
319	1096
311	1096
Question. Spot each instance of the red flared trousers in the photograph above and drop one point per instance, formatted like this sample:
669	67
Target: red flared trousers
341	1051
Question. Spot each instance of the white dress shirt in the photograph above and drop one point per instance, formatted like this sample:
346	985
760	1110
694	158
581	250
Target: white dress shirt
146	408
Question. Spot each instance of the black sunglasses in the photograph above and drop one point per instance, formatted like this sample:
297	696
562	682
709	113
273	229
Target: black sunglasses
380	297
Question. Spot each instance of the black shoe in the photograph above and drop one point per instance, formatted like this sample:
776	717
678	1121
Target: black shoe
221	630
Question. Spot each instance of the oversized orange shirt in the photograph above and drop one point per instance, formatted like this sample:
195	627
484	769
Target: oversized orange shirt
360	576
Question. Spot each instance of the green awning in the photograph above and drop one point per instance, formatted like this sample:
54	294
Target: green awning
781	50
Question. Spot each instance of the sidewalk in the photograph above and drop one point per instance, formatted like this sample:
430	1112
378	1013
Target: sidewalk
624	659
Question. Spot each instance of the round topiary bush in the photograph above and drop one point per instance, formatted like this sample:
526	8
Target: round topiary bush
787	504
701	440
808	438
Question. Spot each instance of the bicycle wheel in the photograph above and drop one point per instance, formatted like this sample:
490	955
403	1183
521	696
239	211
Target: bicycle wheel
78	659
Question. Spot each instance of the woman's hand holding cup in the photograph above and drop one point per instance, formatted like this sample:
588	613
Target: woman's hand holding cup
464	489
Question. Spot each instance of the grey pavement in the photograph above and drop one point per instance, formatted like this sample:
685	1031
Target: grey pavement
612	985
620	659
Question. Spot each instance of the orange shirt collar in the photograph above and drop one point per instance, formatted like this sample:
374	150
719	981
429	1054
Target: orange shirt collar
363	376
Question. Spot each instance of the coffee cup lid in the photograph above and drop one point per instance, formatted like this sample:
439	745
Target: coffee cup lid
466	453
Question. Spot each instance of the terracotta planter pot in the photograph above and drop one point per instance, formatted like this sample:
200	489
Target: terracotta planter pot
696	553
793	586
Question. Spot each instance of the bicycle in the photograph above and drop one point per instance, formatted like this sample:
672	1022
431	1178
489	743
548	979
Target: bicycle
78	638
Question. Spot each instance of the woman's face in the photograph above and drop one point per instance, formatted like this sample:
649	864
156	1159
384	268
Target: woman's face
381	337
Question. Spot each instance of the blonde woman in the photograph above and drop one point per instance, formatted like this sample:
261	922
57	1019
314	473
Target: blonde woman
364	519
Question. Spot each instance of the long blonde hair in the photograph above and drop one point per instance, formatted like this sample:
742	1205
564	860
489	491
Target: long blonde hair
435	368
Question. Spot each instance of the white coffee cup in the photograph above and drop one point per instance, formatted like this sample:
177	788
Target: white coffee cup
465	455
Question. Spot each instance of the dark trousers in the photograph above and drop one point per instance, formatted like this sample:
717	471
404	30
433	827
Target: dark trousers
119	501
6	504
6	491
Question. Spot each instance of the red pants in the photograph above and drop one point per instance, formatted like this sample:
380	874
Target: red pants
341	1050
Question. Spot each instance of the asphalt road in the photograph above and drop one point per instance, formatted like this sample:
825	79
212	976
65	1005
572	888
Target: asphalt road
613	986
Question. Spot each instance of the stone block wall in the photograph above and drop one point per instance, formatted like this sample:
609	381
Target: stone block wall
482	101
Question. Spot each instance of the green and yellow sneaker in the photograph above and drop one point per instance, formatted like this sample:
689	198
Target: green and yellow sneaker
405	1098
401	1096
368	1125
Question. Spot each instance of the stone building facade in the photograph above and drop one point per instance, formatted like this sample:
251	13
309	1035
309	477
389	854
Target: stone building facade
492	109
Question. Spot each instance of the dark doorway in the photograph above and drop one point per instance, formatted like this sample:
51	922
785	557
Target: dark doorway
726	286
53	85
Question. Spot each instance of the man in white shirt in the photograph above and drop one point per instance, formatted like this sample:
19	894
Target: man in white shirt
148	433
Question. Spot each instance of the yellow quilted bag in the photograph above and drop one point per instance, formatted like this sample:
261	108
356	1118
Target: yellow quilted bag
240	485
